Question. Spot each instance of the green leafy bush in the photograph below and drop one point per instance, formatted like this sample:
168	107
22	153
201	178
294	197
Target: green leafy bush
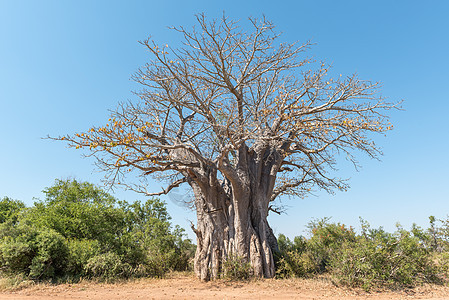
78	230
380	258
37	253
10	209
325	241
295	264
51	256
237	268
80	251
373	258
108	266
78	210
16	256
304	257
293	259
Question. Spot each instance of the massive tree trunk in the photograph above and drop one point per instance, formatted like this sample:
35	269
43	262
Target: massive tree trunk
232	219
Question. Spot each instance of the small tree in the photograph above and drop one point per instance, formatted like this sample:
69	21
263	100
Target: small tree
242	119
10	209
78	210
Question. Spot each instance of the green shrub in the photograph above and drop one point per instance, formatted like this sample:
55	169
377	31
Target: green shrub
79	230
292	260
295	264
78	210
304	257
16	256
237	268
10	209
439	234
325	240
373	258
38	253
80	251
378	258
285	245
160	262
51	255
107	266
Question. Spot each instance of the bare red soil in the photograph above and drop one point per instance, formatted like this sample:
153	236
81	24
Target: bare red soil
188	287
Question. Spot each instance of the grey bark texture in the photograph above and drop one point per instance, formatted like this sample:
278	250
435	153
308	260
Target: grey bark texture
232	217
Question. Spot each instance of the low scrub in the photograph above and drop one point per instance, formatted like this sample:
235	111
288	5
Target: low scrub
108	266
373	258
237	268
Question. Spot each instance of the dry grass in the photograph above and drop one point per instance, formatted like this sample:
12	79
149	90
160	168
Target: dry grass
14	283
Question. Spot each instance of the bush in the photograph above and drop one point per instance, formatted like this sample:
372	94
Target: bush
51	255
80	252
79	230
293	259
37	253
78	210
374	258
304	257
10	209
107	266
285	245
295	264
237	268
160	262
16	256
379	258
325	241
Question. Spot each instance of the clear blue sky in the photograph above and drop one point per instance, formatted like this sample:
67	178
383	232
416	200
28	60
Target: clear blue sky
63	64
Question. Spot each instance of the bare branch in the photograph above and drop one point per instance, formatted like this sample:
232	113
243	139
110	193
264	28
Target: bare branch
175	184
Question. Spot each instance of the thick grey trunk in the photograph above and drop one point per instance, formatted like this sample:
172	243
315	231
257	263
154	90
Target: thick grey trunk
232	213
212	231
231	222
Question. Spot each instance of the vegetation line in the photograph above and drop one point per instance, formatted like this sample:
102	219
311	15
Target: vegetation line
81	232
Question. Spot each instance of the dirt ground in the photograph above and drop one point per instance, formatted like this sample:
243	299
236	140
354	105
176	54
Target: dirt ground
188	287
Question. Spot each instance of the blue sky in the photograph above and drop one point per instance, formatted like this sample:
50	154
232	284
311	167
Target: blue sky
63	64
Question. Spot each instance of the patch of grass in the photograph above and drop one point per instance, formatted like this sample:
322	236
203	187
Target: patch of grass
15	283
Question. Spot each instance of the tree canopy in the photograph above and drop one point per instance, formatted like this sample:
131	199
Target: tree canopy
243	118
227	88
9	209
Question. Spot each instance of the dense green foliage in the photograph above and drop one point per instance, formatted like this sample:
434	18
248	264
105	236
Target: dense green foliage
79	230
373	258
9	209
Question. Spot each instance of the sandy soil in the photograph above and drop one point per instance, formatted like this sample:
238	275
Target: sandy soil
188	287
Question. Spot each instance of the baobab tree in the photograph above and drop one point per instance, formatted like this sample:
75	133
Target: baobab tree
242	119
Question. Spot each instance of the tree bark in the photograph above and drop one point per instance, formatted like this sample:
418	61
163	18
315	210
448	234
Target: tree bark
232	222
